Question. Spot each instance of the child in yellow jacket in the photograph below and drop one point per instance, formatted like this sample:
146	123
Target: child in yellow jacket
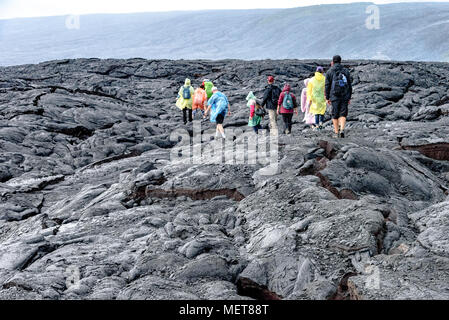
316	98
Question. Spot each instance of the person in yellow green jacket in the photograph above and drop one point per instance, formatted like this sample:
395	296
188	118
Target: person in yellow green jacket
185	100
316	98
208	85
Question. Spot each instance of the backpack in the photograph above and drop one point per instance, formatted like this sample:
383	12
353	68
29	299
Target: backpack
275	93
288	101
339	84
260	111
186	93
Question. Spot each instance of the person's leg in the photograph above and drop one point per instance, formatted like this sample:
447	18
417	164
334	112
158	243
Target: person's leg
220	128
317	120
342	123
343	116
220	120
273	122
256	129
190	115
321	121
290	122
335	115
184	115
286	117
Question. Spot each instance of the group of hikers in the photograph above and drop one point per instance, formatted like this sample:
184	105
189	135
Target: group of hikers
333	88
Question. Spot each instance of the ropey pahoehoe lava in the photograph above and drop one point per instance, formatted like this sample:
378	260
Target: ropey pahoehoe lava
94	207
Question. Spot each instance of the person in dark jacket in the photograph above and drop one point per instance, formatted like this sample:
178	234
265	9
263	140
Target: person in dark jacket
338	91
287	112
270	100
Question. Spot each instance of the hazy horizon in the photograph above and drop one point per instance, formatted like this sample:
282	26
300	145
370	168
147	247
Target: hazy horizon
18	9
414	31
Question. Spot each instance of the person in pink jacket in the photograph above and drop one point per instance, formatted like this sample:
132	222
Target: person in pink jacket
287	105
305	107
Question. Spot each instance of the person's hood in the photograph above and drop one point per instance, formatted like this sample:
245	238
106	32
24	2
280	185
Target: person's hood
286	88
319	76
187	82
250	96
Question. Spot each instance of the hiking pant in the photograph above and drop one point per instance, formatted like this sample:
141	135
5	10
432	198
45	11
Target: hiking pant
339	108
257	128
273	122
196	111
287	118
319	118
184	115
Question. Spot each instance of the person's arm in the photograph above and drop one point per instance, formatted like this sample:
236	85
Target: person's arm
349	85
206	112
280	100
309	92
295	104
266	95
204	99
209	105
252	111
328	85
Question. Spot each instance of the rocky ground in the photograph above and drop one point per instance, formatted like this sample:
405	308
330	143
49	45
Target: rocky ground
94	204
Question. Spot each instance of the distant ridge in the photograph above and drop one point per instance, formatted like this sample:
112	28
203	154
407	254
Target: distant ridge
408	31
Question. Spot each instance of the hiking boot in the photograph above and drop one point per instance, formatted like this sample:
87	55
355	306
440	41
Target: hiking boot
336	135
342	134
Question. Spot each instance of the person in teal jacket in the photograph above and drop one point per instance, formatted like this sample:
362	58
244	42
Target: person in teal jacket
219	106
254	119
185	100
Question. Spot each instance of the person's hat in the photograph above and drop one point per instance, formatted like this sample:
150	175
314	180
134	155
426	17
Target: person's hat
214	89
320	69
270	79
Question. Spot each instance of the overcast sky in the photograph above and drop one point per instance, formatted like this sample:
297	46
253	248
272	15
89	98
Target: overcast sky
35	8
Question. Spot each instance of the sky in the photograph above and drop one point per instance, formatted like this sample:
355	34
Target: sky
37	8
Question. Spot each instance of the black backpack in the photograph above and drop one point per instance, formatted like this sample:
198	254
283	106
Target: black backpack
340	85
275	93
260	111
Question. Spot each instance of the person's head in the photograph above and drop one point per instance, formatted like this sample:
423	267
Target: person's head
336	59
202	86
287	87
320	69
270	79
214	89
187	82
